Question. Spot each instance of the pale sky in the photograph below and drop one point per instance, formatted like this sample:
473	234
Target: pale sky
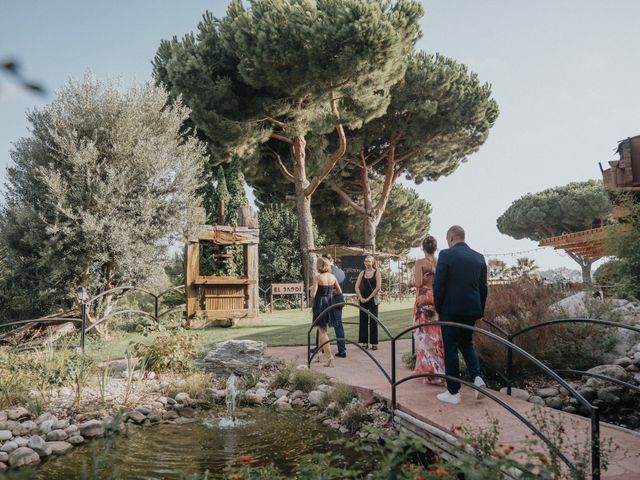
564	73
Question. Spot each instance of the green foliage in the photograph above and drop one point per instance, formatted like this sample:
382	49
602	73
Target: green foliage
280	260
307	380
406	221
340	394
626	270
95	193
278	60
169	351
409	360
354	416
571	208
282	377
40	371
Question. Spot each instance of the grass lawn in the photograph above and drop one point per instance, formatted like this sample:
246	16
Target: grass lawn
284	327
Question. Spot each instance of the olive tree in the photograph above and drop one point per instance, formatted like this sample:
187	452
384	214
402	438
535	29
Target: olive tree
95	194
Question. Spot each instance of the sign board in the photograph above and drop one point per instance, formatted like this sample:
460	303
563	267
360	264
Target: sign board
352	265
287	289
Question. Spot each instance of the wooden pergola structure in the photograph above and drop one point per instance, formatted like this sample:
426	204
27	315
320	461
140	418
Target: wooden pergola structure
593	244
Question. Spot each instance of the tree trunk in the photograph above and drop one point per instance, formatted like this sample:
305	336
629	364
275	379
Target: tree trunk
585	264
586	273
370	232
303	210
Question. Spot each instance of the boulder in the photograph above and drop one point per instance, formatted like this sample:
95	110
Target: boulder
46	416
38	445
59	448
3	416
282	406
588	393
91	429
536	400
21	441
136	417
75	440
143	410
516	393
553	402
5	435
613	371
56	435
296	394
315	396
4	457
281	392
18	413
235	356
46	426
71	430
623	362
170	415
183	398
186	412
548	392
155	416
9	447
60	424
253	399
261	391
23	456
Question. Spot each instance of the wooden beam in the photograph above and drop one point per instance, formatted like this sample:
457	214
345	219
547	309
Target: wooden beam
211	280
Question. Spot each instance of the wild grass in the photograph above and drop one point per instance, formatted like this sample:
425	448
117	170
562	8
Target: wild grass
306	380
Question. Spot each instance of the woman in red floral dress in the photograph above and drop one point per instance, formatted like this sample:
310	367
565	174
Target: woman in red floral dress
428	340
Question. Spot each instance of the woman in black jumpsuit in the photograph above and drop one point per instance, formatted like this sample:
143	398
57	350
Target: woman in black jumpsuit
367	287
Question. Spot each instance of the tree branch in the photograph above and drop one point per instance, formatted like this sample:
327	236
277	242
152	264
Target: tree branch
337	155
278	136
275	122
282	166
348	200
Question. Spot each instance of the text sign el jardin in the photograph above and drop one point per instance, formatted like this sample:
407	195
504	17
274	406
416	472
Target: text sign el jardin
287	289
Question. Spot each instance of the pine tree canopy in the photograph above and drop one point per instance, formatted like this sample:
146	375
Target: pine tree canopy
97	191
405	224
571	208
439	113
273	67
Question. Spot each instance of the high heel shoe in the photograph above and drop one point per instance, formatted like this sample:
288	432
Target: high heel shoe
330	362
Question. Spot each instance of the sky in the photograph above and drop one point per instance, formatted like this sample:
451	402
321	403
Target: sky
564	73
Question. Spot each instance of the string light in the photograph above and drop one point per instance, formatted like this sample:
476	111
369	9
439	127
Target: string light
512	254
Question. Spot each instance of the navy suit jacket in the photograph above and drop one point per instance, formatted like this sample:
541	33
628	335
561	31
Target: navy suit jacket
460	282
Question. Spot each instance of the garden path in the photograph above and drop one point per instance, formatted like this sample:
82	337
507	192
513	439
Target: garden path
419	400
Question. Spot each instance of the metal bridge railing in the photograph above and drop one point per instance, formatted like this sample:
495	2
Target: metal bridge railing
394	382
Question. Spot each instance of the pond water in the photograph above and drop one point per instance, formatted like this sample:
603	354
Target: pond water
163	451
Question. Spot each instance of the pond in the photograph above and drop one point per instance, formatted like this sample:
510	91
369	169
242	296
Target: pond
165	451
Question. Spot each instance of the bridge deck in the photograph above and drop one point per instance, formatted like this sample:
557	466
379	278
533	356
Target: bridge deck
419	400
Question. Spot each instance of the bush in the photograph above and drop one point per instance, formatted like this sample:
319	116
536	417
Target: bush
523	304
354	416
409	360
340	394
307	380
282	377
174	352
514	307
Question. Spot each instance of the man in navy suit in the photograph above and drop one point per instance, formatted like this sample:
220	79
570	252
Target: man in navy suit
460	294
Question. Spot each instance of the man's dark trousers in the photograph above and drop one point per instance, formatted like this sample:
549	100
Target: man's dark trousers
458	339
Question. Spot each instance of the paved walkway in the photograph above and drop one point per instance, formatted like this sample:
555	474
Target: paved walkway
419	400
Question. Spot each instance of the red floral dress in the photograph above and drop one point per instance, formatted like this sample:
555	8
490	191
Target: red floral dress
428	340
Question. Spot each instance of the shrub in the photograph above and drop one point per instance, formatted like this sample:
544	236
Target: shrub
354	416
409	360
307	380
173	352
195	384
282	377
340	394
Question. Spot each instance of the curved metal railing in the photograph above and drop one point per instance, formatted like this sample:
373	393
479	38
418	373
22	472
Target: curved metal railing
594	412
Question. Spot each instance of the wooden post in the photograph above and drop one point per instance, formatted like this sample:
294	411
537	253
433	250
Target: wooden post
301	302
271	304
251	262
191	272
